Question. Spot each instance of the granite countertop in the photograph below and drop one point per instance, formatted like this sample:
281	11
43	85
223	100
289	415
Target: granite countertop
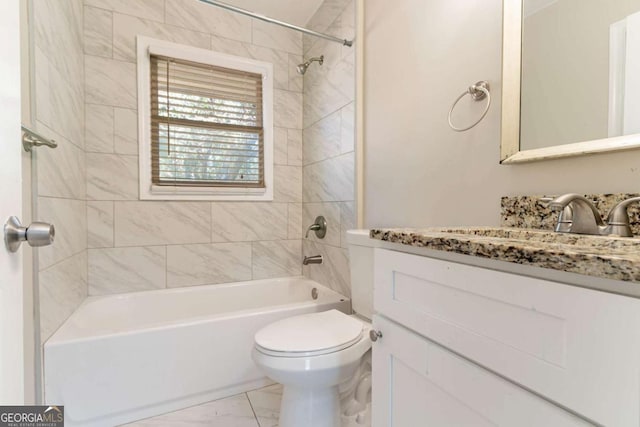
616	258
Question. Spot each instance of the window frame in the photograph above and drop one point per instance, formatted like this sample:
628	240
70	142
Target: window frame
148	191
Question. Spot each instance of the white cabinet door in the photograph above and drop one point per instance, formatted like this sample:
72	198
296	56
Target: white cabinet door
11	286
417	383
578	347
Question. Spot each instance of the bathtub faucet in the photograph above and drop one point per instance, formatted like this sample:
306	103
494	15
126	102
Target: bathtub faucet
315	259
319	226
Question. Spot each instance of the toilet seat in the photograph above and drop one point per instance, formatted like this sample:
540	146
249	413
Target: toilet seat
276	353
307	335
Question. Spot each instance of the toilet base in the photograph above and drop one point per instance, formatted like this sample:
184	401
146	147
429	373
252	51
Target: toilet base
317	407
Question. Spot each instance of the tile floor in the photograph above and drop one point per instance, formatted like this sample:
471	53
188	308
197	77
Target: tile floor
257	408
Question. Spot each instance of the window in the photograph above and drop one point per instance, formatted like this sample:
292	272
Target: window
206	124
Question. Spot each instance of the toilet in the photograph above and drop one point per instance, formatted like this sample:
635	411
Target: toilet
311	355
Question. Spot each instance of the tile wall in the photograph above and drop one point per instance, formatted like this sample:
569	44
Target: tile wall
328	143
60	186
142	245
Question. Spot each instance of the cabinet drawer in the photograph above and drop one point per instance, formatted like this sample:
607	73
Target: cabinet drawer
418	383
578	347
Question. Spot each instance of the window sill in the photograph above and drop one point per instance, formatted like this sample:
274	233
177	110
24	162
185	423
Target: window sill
207	194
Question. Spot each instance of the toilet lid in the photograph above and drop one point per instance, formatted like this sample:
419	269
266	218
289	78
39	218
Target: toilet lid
310	333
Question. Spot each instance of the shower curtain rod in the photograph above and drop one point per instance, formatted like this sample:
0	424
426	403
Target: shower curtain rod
222	5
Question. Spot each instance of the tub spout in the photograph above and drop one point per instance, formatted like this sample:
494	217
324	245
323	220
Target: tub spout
315	259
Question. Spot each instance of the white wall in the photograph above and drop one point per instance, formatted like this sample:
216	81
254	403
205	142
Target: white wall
419	56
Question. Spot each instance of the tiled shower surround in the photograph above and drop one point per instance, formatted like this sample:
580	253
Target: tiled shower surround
328	147
108	241
141	245
60	186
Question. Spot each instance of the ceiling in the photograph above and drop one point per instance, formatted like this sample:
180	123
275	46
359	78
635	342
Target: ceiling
296	12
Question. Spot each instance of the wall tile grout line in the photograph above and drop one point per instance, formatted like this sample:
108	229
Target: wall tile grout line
339	109
113	227
164	12
73	199
65	259
166	267
329	158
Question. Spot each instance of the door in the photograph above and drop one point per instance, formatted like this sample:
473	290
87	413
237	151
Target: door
417	383
11	264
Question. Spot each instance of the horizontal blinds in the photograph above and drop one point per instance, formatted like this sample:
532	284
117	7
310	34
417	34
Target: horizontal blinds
206	125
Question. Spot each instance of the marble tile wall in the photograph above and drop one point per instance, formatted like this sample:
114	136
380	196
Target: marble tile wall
60	187
137	245
328	143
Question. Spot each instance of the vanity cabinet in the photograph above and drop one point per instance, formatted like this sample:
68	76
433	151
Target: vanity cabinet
419	383
465	345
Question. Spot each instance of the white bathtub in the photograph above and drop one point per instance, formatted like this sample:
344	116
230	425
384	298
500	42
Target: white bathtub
125	357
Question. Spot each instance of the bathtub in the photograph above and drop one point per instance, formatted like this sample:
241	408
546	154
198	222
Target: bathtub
121	358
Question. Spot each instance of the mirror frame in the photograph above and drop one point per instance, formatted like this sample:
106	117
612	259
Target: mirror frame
510	152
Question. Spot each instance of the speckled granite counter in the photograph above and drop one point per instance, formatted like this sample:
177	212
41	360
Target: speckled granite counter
607	257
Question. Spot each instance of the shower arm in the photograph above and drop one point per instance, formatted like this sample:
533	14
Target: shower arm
302	68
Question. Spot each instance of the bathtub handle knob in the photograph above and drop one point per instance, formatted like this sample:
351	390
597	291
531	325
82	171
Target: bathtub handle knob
374	335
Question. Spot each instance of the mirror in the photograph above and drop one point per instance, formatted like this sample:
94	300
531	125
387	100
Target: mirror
571	78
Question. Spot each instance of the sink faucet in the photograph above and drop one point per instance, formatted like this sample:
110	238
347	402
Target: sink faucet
579	215
618	218
584	217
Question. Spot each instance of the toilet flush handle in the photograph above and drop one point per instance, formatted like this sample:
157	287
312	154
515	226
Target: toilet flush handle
374	335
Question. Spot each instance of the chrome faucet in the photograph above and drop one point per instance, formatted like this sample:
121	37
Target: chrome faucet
579	215
315	259
618	218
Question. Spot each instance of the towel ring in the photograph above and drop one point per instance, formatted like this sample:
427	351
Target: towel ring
478	92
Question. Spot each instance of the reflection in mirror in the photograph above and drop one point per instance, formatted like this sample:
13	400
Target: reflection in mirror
577	87
578	79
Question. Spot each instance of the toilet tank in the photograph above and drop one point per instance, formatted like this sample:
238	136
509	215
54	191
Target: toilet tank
361	266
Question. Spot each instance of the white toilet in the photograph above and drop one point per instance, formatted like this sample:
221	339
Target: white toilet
312	354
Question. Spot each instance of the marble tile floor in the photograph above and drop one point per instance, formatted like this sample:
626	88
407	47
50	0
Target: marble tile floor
257	408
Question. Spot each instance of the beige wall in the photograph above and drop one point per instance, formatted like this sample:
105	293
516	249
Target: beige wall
60	185
143	245
565	78
328	143
419	56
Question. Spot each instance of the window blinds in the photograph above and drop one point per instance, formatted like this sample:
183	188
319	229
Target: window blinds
206	125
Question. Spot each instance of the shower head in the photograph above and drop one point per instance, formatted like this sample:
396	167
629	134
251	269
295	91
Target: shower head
302	68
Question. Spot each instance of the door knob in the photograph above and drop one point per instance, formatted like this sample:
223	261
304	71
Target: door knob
36	234
374	335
